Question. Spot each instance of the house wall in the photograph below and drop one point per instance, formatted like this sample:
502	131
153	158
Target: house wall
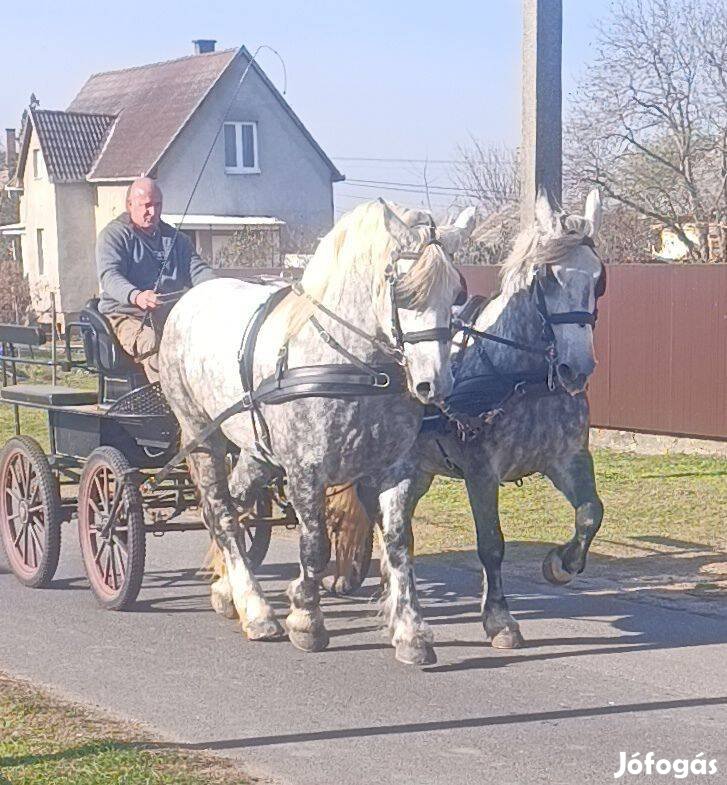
76	245
38	211
110	202
294	183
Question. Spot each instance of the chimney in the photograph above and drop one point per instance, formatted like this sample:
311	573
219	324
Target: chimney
11	150
204	45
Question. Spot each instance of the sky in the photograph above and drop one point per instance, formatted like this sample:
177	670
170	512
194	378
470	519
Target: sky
394	79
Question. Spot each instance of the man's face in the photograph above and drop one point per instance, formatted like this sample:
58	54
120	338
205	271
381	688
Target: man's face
145	207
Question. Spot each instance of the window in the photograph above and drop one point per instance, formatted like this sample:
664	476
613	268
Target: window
41	261
37	164
241	148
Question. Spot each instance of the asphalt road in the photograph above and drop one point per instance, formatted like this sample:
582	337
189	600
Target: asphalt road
600	674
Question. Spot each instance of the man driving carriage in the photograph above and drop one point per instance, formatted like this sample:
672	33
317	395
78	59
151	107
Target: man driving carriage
139	258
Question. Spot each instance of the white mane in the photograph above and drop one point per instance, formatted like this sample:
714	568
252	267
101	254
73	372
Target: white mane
536	246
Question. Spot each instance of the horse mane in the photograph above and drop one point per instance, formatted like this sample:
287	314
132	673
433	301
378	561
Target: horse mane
359	247
535	247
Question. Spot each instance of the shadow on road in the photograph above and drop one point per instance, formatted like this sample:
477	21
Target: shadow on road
453	724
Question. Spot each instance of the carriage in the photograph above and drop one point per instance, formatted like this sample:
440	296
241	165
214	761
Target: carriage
106	450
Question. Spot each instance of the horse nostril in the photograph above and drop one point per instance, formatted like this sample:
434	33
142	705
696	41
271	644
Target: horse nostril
424	390
565	371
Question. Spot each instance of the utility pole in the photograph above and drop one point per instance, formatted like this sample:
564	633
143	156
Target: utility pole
541	147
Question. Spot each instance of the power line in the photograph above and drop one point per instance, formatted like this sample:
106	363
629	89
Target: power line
433	190
397	160
354	180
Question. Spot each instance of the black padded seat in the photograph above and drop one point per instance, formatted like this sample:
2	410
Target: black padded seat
103	350
46	395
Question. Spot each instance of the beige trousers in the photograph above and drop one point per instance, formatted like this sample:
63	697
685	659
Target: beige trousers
137	343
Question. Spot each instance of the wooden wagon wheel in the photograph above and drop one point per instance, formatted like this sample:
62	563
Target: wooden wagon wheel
254	539
30	512
113	546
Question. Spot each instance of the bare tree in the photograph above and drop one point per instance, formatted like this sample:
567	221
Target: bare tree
489	175
649	121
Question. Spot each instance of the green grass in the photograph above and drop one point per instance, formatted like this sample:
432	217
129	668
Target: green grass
45	740
651	503
34	422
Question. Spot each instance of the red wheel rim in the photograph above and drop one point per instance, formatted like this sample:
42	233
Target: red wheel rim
108	550
21	508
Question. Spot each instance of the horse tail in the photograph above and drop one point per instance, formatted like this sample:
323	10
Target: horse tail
349	528
213	564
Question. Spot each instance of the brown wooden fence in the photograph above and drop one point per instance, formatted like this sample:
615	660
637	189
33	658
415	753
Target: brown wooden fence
661	344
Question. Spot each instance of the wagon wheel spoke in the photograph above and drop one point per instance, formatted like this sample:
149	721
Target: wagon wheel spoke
25	543
32	540
16	479
13	494
107	568
35	508
99	552
97	512
34	533
34	493
13	516
121	545
26	475
21	531
123	555
103	500
112	572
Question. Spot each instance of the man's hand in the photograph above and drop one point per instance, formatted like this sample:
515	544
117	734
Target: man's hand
147	300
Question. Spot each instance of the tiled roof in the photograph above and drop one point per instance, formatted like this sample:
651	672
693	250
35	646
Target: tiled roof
153	102
70	141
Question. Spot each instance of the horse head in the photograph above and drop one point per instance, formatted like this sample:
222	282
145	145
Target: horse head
558	262
423	287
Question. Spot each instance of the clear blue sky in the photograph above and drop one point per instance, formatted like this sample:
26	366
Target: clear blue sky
404	79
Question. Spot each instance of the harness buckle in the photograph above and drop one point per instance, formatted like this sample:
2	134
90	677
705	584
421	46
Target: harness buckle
520	388
382	380
246	399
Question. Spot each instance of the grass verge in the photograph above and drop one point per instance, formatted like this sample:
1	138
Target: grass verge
44	739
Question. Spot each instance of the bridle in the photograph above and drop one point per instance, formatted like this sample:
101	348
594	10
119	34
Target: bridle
548	348
400	338
439	334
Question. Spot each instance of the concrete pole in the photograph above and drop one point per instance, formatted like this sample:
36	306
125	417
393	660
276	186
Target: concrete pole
541	155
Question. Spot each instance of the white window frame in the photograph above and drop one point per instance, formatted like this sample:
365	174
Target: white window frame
240	169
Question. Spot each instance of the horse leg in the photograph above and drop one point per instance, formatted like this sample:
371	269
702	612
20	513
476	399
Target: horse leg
208	472
500	627
305	623
245	477
411	636
576	480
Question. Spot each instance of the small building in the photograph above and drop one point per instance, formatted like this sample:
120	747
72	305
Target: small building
266	178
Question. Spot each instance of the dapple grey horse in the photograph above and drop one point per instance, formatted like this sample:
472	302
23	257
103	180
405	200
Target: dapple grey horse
543	432
380	271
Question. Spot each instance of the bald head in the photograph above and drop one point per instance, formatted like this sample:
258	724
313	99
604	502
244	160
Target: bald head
144	204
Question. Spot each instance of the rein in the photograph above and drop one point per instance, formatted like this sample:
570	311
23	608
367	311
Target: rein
514	384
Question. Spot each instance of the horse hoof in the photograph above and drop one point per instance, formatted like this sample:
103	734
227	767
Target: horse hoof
337	586
264	630
553	570
508	638
311	640
223	605
415	653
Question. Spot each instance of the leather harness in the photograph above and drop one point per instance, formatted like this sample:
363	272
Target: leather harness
478	400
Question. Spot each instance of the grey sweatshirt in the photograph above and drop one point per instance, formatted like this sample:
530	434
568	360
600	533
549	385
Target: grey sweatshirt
128	262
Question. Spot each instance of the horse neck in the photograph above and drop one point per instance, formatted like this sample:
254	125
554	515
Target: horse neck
515	317
353	303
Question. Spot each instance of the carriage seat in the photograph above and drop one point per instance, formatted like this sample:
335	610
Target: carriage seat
46	395
104	353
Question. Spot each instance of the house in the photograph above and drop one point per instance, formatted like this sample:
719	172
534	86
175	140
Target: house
712	235
265	176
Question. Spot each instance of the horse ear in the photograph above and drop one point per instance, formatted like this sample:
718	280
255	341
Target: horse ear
594	211
455	235
544	215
